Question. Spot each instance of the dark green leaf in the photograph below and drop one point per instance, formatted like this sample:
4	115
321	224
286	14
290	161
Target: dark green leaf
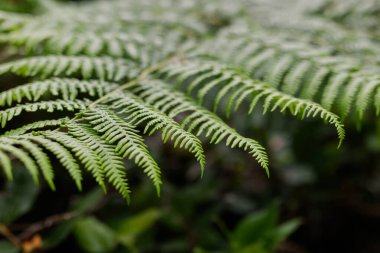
130	228
94	236
6	247
18	196
255	227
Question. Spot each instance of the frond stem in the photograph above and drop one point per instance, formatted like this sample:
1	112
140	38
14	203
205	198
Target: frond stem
144	74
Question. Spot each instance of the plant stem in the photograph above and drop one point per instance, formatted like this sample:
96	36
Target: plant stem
4	231
144	74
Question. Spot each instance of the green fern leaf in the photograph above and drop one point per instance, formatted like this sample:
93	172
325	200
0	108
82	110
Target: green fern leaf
272	98
64	156
173	103
83	152
103	68
138	112
67	89
29	163
111	164
49	106
36	125
6	164
126	139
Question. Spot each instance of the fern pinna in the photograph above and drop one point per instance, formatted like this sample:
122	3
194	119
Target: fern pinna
120	70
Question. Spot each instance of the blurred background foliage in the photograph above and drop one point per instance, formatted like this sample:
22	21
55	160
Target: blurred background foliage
18	5
318	199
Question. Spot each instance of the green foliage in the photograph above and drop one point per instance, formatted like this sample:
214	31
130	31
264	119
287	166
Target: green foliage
20	6
130	229
19	197
93	236
7	247
260	231
199	119
116	78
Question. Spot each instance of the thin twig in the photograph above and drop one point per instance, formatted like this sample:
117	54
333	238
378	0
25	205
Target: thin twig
47	223
4	231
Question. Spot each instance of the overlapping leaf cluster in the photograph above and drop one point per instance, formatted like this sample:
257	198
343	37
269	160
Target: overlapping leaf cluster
128	69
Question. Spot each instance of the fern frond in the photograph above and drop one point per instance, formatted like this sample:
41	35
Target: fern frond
82	151
377	102
6	164
64	156
12	21
24	157
298	69
199	120
349	11
126	139
48	106
103	68
174	66
36	125
42	160
111	164
138	112
331	91
118	45
237	87
65	88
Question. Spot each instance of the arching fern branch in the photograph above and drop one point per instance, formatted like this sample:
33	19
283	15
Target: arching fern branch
65	88
199	120
111	164
112	64
103	68
337	83
48	106
128	143
236	88
9	150
39	156
36	125
87	157
137	112
119	45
